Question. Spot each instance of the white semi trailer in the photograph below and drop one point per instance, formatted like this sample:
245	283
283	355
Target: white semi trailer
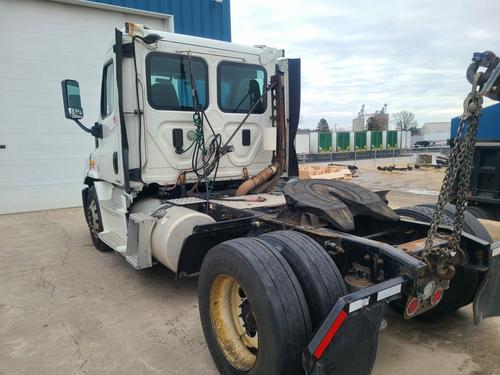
195	168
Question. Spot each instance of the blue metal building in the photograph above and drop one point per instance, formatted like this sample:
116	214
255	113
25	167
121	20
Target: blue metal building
205	18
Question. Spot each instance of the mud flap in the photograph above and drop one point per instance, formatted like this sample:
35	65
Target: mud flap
346	342
354	348
487	298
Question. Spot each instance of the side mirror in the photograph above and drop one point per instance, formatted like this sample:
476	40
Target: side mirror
71	97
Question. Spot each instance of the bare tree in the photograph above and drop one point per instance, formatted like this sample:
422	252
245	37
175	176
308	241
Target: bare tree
405	120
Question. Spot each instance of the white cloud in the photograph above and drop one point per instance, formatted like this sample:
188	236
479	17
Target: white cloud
411	54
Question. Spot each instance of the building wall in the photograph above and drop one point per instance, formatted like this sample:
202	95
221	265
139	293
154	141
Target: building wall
436	128
436	137
42	154
205	18
358	124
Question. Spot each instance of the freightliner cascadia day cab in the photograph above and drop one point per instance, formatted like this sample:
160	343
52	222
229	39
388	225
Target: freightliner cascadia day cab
195	168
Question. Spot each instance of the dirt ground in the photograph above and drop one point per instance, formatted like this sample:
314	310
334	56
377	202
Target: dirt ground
65	308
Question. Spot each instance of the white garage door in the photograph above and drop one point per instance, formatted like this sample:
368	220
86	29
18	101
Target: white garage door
43	42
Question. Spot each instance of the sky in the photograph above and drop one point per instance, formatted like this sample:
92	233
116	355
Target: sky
409	54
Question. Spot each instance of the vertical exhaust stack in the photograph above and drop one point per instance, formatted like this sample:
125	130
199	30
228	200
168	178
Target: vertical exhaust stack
266	179
279	121
293	93
285	118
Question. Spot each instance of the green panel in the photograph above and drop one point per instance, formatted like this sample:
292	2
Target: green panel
392	139
325	142
360	140
343	141
376	139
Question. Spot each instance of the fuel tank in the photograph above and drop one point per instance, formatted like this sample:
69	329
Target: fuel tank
173	224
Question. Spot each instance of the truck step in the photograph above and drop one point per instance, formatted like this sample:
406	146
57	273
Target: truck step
114	240
115	204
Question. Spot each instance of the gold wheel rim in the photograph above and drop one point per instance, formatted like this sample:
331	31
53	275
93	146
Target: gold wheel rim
228	303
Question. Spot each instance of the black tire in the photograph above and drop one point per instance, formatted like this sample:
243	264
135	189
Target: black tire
315	270
464	284
471	224
94	221
481	213
278	304
423	213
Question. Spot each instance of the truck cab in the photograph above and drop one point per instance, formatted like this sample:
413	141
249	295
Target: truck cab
168	103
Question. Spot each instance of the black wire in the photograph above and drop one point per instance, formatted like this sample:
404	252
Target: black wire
210	160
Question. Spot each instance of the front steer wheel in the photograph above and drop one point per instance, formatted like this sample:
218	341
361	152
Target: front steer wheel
252	308
94	221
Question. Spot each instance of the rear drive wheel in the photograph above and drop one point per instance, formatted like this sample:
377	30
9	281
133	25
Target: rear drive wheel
464	284
471	224
315	270
481	213
94	221
253	311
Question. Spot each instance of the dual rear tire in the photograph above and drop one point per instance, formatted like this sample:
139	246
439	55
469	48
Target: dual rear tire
261	299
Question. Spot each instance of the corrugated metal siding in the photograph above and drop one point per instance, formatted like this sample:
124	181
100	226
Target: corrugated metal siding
205	18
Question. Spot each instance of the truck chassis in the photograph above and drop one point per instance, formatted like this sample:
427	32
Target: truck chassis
379	263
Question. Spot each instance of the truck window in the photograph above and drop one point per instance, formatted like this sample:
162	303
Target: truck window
240	86
108	90
169	81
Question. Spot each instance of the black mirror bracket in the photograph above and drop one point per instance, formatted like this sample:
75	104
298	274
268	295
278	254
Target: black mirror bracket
95	130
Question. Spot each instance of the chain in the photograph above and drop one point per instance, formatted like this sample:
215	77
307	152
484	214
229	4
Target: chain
458	172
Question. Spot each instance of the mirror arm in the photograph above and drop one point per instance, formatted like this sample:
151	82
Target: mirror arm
95	130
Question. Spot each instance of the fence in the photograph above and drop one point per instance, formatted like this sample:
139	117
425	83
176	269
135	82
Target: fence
368	154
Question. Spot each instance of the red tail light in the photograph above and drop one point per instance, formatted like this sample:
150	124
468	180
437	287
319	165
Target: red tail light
412	307
437	296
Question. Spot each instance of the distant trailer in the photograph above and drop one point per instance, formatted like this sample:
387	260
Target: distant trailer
343	141
360	141
489	125
376	140
325	142
302	144
484	197
313	142
392	139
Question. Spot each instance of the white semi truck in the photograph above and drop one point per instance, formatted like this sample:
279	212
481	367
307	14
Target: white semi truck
195	168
